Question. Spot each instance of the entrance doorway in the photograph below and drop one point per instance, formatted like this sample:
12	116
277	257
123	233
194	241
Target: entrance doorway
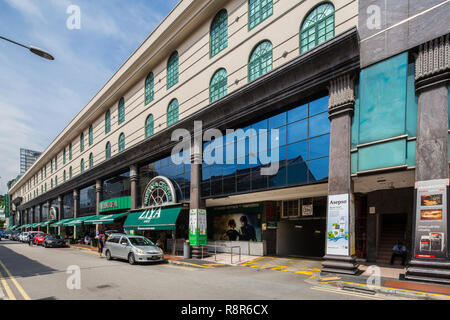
392	229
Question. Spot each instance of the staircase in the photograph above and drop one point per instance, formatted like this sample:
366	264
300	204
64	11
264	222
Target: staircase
390	234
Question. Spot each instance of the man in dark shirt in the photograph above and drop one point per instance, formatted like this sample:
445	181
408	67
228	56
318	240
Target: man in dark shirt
232	233
247	231
399	250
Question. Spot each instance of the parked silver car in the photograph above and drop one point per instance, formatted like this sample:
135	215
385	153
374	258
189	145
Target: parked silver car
132	248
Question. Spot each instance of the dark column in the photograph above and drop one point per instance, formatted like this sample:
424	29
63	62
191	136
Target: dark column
341	105
60	211
76	208
98	194
196	179
134	178
432	167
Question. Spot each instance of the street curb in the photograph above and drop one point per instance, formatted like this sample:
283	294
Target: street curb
383	291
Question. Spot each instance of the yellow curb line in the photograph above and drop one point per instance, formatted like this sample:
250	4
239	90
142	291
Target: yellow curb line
18	286
197	265
8	290
390	288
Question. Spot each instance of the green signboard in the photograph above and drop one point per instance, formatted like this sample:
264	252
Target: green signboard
6	199
122	203
197	227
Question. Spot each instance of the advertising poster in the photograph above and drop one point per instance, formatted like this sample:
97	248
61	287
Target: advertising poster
237	227
193	227
202	230
431	219
307	210
338	225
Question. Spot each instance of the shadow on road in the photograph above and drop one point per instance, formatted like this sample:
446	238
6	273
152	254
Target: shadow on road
21	266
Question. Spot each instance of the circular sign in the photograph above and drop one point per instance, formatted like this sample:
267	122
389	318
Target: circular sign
159	191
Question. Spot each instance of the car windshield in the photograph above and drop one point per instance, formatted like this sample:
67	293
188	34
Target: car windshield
140	242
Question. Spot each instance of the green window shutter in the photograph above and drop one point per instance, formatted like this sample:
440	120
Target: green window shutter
82	142
219	33
258	11
172	112
51	166
91	161
108	150
149	126
172	70
64	175
64	156
317	28
45	172
56	181
121	142
260	61
51	183
45	189
70	173
121	111
218	85
149	88
70	151
56	162
91	135
82	166
107	122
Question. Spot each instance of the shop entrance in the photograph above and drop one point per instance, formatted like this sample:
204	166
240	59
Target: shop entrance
393	228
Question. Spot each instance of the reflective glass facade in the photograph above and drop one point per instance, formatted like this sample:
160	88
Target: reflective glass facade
87	201
68	206
118	186
304	143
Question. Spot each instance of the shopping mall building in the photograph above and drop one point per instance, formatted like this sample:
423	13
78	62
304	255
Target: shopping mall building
351	107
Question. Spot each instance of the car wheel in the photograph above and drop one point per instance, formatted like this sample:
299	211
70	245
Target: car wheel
131	259
108	255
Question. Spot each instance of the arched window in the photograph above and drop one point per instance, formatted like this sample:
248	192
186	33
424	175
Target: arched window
51	183
172	70
91	161
258	11
81	144
64	175
70	173
260	60
149	126
218	85
82	166
107	121
149	88
318	27
121	111
108	150
56	181
218	33
91	135
172	112
56	162
70	151
121	142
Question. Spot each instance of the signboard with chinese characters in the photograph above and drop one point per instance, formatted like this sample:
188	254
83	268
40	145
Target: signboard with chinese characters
431	219
338	225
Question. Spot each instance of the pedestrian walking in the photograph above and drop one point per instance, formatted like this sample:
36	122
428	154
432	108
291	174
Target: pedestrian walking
100	244
30	239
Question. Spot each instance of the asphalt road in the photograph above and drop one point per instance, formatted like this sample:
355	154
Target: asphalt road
39	273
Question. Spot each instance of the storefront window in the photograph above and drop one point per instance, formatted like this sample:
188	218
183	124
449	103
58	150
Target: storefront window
44	212
304	143
68	206
37	214
118	186
88	201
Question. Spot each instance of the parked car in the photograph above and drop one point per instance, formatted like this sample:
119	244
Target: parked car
24	236
53	241
135	249
2	233
39	238
15	236
8	234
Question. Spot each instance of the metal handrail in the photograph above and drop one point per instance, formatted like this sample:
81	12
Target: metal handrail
223	246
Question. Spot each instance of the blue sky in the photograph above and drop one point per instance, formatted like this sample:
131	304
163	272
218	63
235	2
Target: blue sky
38	98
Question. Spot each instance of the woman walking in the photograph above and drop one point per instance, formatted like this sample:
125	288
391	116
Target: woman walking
100	245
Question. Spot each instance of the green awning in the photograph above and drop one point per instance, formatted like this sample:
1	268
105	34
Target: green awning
13	227
105	219
77	221
153	219
46	223
60	223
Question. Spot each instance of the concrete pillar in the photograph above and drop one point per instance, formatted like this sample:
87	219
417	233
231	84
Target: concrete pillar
134	178
98	192
196	202
76	208
432	79
48	213
60	211
339	257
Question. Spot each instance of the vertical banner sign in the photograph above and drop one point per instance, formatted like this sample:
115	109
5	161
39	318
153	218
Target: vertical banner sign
338	225
431	219
193	215
6	205
352	225
202	227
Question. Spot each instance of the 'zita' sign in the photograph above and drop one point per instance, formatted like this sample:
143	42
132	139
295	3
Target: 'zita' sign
159	191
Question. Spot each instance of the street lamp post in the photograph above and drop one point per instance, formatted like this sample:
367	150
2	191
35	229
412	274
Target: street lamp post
33	49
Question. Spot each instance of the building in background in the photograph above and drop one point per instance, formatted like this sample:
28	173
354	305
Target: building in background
27	158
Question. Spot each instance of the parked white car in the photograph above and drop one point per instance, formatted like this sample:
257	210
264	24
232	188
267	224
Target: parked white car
23	237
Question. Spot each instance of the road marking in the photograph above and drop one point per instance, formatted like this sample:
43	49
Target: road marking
347	293
5	285
18	286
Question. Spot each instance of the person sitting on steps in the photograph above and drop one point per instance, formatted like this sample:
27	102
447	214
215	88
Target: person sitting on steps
399	250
